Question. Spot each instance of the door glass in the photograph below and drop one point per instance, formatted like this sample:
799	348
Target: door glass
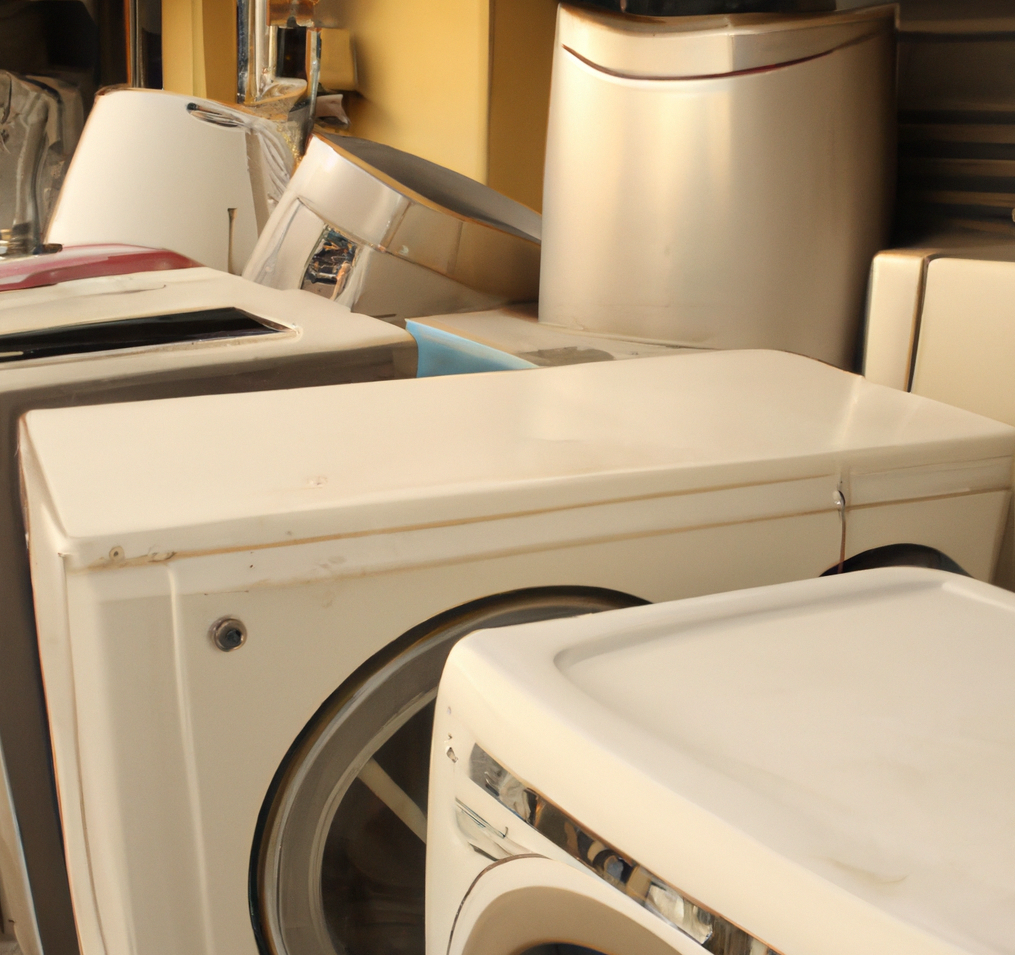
340	856
374	857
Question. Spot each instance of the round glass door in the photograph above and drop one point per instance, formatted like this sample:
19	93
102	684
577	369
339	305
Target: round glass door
338	867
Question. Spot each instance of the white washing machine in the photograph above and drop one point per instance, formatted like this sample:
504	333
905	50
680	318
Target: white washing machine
74	340
395	236
816	768
176	172
941	323
244	602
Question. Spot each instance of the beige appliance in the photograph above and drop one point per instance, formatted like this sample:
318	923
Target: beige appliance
818	767
718	181
245	601
391	235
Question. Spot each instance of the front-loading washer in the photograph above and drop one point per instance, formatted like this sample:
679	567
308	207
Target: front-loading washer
815	767
245	601
70	339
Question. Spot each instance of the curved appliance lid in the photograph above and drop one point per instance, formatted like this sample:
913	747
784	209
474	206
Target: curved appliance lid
414	210
687	47
444	186
828	764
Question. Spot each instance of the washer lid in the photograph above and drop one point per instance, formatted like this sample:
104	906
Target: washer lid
827	764
416	211
717	436
689	47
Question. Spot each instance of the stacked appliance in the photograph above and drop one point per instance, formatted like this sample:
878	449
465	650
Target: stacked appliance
821	766
76	330
245	601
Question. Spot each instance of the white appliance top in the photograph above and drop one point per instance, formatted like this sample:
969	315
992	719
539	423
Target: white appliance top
306	323
828	764
254	469
107	298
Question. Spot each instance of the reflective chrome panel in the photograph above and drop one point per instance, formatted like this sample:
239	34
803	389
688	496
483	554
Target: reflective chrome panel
709	929
330	265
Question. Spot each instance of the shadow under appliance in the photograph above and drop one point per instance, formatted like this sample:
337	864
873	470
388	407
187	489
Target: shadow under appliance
718	181
817	767
245	601
117	337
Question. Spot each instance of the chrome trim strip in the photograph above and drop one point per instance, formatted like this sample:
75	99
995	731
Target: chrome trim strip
708	928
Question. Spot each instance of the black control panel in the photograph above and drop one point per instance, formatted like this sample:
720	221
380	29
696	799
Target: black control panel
147	331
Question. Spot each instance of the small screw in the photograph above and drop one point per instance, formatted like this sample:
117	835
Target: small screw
228	633
116	553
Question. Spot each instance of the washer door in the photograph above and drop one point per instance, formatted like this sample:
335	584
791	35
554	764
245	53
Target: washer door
533	905
338	863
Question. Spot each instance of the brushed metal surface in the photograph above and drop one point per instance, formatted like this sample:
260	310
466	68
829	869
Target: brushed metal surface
735	211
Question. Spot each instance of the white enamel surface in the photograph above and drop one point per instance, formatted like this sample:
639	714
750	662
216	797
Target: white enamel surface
331	521
308	323
727	225
147	172
893	310
966	350
341	460
827	764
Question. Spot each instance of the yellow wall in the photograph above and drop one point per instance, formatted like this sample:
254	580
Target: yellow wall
199	48
183	47
522	45
219	23
423	78
463	83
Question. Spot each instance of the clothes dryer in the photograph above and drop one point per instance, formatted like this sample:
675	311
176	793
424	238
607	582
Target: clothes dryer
940	322
245	601
169	331
816	767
